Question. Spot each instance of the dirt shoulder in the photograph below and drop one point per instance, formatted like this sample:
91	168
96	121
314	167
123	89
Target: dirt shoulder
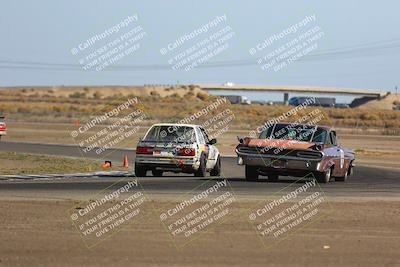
40	233
12	163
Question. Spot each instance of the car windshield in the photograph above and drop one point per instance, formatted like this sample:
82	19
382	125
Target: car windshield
297	132
170	133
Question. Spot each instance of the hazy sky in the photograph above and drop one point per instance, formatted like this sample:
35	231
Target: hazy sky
360	47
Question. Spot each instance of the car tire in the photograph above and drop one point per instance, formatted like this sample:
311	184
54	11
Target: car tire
273	177
216	171
140	171
202	171
350	172
251	173
157	172
324	177
343	178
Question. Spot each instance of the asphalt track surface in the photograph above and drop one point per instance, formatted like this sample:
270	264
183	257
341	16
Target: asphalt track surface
366	181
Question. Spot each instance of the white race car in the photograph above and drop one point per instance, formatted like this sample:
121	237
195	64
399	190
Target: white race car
178	148
3	127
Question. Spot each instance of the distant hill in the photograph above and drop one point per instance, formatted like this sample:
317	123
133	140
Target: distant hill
101	92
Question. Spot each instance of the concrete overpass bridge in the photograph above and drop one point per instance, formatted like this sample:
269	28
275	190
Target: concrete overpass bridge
295	89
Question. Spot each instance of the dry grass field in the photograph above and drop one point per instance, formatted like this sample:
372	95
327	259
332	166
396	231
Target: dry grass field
66	104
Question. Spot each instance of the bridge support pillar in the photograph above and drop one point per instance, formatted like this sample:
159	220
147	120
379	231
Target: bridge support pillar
286	99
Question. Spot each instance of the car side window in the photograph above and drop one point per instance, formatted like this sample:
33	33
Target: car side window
200	136
328	139
333	138
205	135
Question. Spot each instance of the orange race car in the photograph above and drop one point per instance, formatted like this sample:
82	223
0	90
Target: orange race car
295	150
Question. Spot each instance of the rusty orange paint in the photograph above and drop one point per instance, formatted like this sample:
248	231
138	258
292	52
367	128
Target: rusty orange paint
280	143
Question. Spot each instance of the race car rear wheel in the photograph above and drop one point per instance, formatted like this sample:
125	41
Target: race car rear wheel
273	177
202	171
251	173
216	171
324	177
157	172
140	171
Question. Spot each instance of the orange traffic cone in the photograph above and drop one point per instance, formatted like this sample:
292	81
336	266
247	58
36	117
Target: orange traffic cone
126	163
107	164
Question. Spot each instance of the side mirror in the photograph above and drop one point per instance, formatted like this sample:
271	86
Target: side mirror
212	141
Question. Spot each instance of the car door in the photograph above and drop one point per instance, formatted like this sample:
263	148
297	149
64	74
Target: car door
212	150
330	151
338	155
201	142
345	158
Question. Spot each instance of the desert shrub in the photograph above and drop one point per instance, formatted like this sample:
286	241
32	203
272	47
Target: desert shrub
56	109
23	110
78	95
97	95
174	96
369	117
155	94
202	96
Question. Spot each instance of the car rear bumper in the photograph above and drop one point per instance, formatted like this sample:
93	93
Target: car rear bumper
176	164
283	164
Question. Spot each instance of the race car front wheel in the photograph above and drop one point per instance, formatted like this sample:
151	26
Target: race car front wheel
324	177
